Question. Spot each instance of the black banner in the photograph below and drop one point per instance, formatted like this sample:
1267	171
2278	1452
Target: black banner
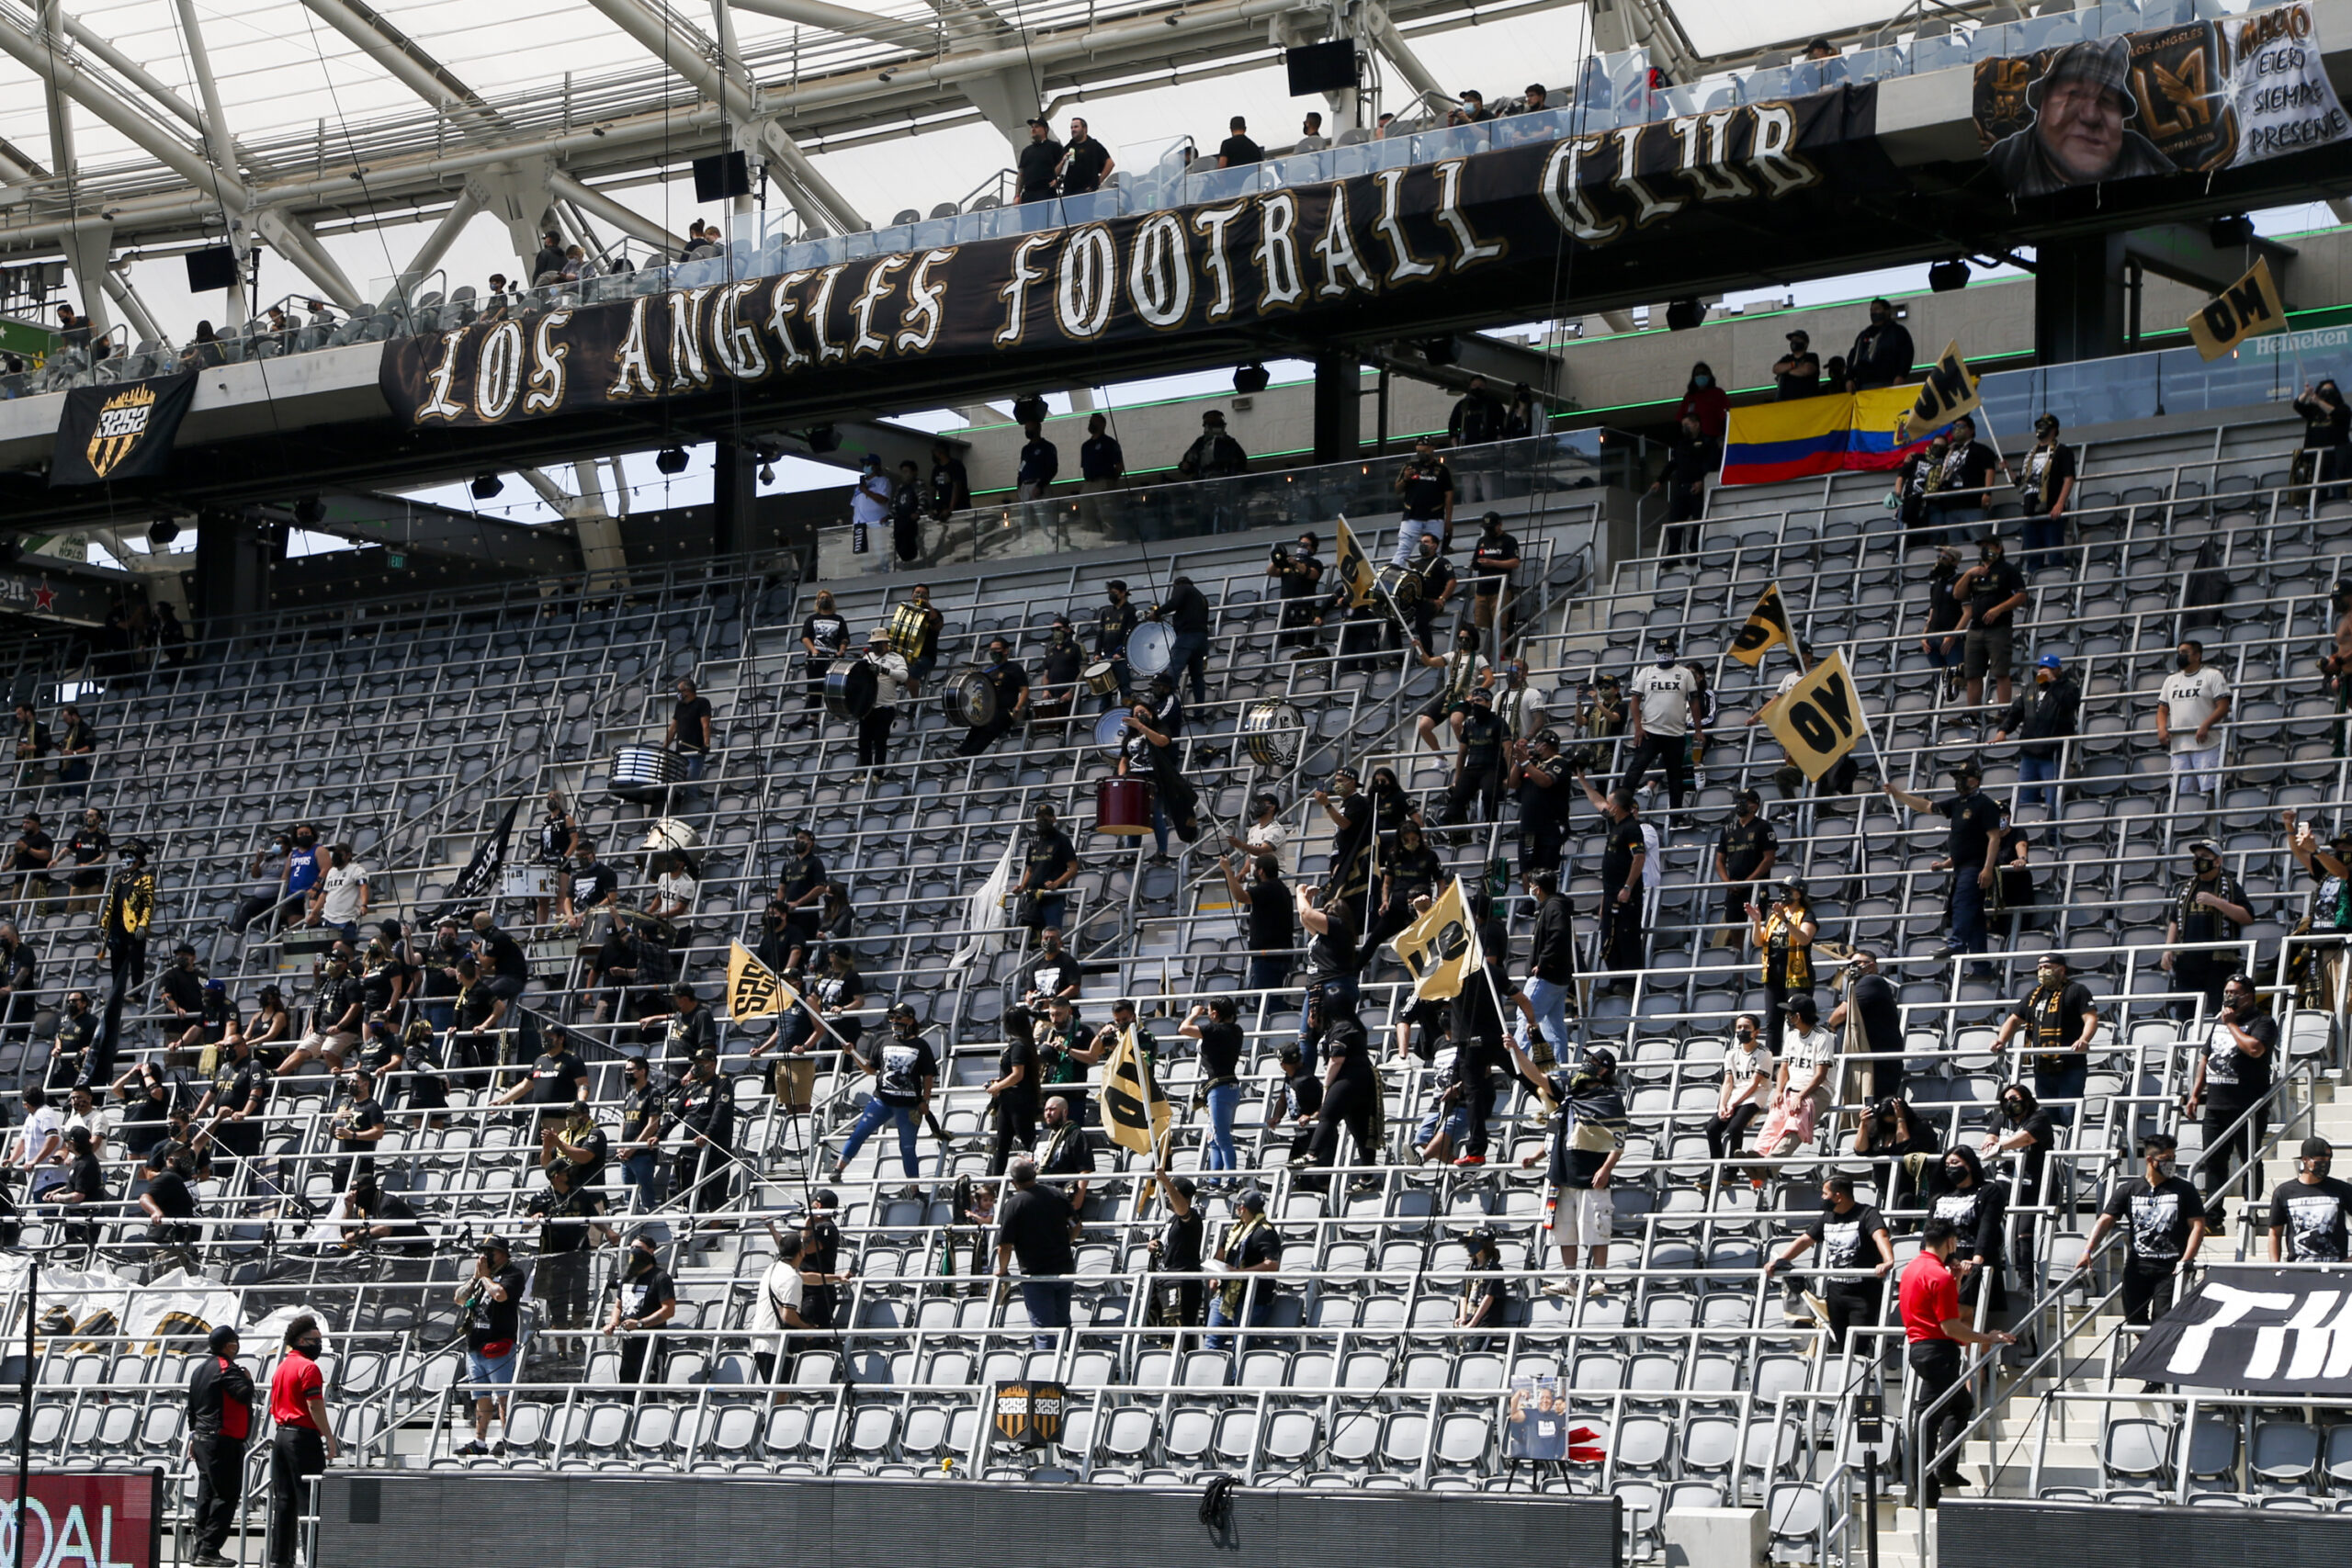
1312	256
119	431
2284	1331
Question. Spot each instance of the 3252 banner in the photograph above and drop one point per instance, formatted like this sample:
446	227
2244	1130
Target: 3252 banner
1302	256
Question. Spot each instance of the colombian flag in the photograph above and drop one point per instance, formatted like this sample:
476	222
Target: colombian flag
1828	435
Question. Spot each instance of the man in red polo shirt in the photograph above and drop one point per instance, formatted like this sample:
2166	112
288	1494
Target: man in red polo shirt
1933	1322
304	1443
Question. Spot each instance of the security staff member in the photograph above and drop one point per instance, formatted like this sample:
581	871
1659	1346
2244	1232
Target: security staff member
304	1445
1934	1328
1114	624
220	1420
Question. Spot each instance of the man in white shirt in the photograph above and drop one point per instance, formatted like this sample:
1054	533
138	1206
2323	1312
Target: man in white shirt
782	1292
341	897
1661	693
869	508
1268	837
1523	710
674	891
38	1142
2190	707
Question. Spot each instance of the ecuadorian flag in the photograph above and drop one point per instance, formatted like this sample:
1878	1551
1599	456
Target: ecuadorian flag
1828	434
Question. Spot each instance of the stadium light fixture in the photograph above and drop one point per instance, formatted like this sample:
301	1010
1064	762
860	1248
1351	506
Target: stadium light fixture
487	485
161	532
671	459
1684	314
2230	233
1250	380
1948	276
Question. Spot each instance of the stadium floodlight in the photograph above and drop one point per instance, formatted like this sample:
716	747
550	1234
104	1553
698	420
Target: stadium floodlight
1948	276
487	485
1250	380
1684	314
671	459
161	532
2231	231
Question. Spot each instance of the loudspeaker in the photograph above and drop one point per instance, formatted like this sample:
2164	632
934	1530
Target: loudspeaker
211	268
720	176
1322	67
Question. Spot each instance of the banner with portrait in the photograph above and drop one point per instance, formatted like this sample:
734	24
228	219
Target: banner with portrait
2190	98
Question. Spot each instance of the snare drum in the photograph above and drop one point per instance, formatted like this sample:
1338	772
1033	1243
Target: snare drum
1401	586
905	629
850	687
1123	806
970	700
645	773
1110	732
521	881
1102	678
1151	648
1273	731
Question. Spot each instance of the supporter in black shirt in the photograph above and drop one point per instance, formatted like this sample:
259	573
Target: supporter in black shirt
2057	1018
1179	1303
240	1086
1272	929
1976	1209
1102	462
182	987
356	1128
87	850
706	1119
1870	995
690	725
1036	1226
2233	1074
1492	560
85	1192
1746	850
1064	1150
1852	1236
1477	1024
505	967
1976	821
1301	1101
1036	168
1059	666
1349	812
557	1079
647	1299
2164	1224
1010	683
2308	1214
1013	1092
1237	149
1300	570
493	1303
1479	762
146	1098
1331	958
1046	871
951	487
1085	163
688	1029
30	856
384	1218
570	1215
591	885
71	1050
1410	870
824	637
1251	1248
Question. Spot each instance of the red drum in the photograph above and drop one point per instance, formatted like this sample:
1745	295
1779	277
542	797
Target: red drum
1123	806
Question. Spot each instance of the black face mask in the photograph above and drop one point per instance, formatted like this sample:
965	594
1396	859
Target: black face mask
1956	1174
640	1263
1747	1036
2180	661
311	1347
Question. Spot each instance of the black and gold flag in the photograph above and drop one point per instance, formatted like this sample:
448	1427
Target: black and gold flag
2247	307
1135	1108
1768	625
1355	569
1949	392
1440	949
755	990
122	430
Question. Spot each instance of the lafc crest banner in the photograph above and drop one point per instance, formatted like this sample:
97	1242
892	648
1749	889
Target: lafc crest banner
1135	1108
119	431
1355	569
755	990
2247	307
2286	1331
1029	1414
1768	627
1820	719
1440	949
1305	257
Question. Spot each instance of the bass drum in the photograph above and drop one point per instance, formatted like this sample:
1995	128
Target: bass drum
904	628
1123	806
1110	732
850	689
1151	648
645	773
670	833
1274	732
1399	585
970	700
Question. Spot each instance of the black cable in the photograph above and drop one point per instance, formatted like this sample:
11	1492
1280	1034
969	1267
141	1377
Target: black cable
1216	1509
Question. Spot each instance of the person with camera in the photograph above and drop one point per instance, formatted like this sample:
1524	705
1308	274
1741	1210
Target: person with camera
374	1217
1539	778
647	1299
492	1301
2163	1223
2233	1077
1904	1144
1425	487
1934	1328
1970	854
1300	570
1869	1014
1852	1237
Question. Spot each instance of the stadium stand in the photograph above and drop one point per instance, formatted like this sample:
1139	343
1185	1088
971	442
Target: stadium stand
407	730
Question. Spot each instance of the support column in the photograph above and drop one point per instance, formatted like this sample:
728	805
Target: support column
233	560
734	496
1338	406
2079	307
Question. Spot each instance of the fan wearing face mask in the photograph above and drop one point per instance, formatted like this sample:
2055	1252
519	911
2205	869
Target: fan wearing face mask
2166	1226
2058	1018
2192	706
303	1444
2209	906
2308	1214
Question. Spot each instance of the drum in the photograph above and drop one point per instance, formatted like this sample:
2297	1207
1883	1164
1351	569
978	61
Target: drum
1102	678
520	881
1273	732
850	689
970	699
1151	648
1401	586
1111	731
1123	806
644	772
669	833
905	629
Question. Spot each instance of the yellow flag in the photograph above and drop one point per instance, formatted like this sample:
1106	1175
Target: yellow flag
1355	570
755	990
1820	719
1948	392
1768	625
1135	1109
1440	949
2247	307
